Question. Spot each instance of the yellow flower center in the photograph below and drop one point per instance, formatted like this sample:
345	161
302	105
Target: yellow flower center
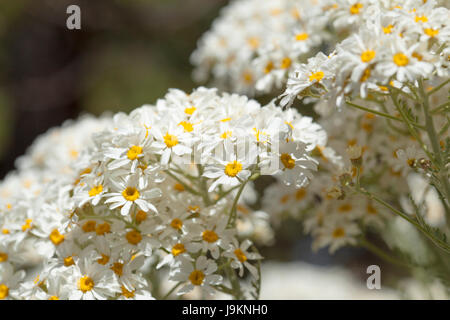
56	237
418	56
69	261
3	257
126	293
210	236
141	216
103	228
190	110
354	9
371	209
388	29
134	152
367	56
240	255
53	298
401	59
103	260
85	284
253	42
89	226
130	194
226	134
338	232
178	249
247	76
365	75
287	160
187	126
317	76
431	32
27	225
300	194
179	187
269	67
95	190
117	267
284	198
421	18
176	224
301	36
196	277
233	168
170	140
345	207
4	291
286	63
134	237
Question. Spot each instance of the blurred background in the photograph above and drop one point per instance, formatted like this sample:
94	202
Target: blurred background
127	53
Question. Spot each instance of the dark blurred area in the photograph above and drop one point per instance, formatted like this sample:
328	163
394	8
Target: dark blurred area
127	53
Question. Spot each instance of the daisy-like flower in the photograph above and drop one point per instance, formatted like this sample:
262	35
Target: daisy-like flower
92	281
91	189
174	140
227	173
178	247
142	239
213	236
402	61
132	150
131	192
336	233
56	287
198	273
407	159
9	281
241	256
313	74
141	291
292	164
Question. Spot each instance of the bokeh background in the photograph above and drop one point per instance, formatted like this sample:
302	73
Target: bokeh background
127	53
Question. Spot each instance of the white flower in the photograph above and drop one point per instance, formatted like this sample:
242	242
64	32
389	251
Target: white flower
132	191
9	281
228	173
241	256
313	74
199	273
90	280
336	233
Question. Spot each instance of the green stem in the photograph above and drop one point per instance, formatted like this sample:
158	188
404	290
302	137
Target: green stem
432	135
443	106
441	244
386	115
203	187
439	87
232	216
172	290
411	129
382	254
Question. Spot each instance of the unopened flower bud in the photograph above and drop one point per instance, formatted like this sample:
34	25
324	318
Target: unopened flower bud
355	154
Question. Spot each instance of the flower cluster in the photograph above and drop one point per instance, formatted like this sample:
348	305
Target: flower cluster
378	87
254	44
393	46
102	205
